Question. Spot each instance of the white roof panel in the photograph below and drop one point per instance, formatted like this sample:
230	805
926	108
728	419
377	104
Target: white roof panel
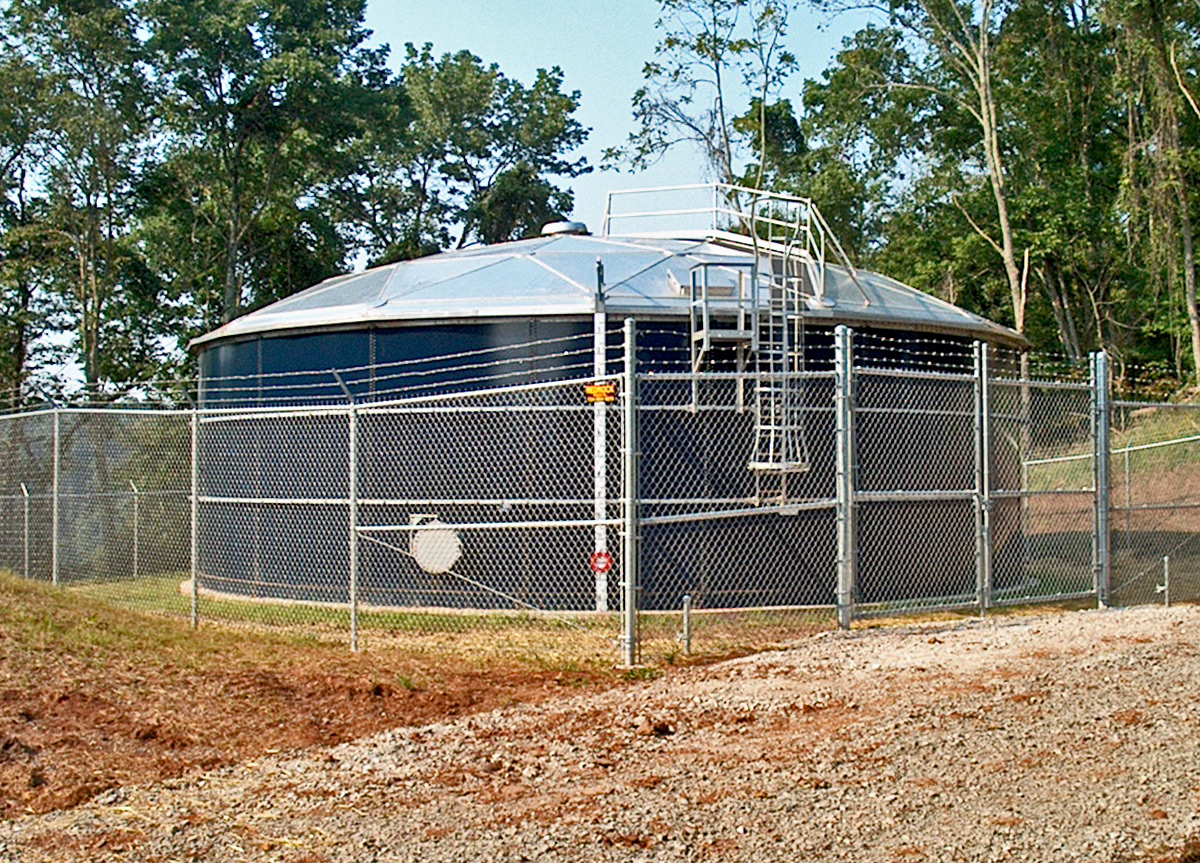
556	276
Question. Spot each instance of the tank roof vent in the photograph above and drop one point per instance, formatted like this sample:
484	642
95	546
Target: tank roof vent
551	229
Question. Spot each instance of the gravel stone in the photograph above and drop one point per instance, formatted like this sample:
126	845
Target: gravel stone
1051	737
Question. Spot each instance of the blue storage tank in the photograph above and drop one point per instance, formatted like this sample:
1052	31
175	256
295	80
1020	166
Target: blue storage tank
533	304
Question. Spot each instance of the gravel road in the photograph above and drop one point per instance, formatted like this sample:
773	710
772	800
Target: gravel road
1053	737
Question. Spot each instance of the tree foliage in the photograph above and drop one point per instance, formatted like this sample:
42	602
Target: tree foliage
1033	160
167	164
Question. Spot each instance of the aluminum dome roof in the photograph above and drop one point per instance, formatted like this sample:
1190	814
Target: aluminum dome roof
556	276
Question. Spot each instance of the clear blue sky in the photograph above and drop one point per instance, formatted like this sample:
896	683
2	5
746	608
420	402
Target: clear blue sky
600	46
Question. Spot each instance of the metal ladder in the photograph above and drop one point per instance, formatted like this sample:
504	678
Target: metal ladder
762	315
780	447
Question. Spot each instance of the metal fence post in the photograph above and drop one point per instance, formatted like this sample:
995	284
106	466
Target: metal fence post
630	455
25	495
133	486
600	440
195	512
54	499
983	478
353	479
352	497
847	466
1024	450
1101	385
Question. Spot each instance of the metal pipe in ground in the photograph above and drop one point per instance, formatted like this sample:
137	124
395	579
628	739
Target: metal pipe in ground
687	624
1102	453
25	494
195	517
136	495
352	489
54	501
847	526
630	454
1165	587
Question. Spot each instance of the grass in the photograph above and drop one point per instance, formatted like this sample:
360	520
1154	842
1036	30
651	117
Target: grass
562	642
541	641
106	696
1131	427
36	617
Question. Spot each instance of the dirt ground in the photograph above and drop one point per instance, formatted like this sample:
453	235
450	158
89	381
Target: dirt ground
1051	737
93	699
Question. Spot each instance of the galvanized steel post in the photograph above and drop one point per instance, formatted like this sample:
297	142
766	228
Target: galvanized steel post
600	441
195	513
136	495
354	527
630	455
983	478
54	501
352	498
25	495
1101	454
847	467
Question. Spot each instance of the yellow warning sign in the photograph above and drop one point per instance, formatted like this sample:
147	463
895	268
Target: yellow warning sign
601	392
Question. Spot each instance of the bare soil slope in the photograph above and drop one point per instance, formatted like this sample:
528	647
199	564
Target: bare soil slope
93	698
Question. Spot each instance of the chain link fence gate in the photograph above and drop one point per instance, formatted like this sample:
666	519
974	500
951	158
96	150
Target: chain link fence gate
501	512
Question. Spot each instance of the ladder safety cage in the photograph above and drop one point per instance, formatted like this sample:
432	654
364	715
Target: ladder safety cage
762	312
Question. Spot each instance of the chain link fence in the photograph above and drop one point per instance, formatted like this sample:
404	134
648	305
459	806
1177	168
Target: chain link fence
1154	495
489	503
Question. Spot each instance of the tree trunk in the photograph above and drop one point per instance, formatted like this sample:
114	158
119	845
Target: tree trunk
231	295
1056	293
1189	277
987	115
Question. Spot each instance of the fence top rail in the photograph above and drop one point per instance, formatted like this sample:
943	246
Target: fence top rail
1160	443
654	376
1115	451
1058	459
1043	383
1124	403
365	407
37	412
921	374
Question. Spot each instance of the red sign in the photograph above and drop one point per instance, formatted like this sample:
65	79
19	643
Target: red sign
602	562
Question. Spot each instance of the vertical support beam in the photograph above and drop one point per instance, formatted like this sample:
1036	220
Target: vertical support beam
847	468
136	495
25	495
600	439
983	478
1024	451
352	499
1101	455
687	624
353	496
630	456
57	456
1128	495
195	516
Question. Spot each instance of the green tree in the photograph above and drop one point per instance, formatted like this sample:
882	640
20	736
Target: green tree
715	58
90	147
21	322
261	100
943	52
1156	39
476	155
